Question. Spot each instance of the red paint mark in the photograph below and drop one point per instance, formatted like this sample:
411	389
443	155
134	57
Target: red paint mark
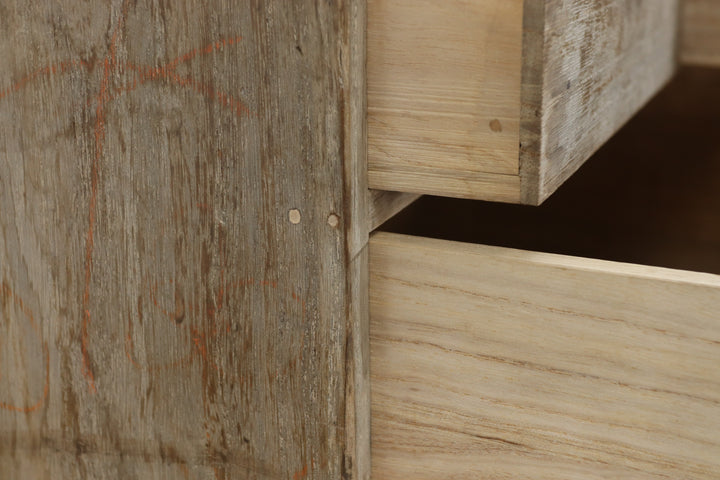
8	293
218	475
48	71
110	59
301	473
199	338
142	74
104	97
179	309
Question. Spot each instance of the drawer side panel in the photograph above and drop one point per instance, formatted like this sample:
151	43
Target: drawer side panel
603	61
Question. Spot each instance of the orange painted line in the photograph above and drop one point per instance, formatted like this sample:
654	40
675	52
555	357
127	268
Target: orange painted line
212	93
146	73
301	473
166	74
209	48
153	298
110	59
48	71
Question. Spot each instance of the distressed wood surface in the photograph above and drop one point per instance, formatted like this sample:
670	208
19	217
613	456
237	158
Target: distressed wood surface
503	100
495	363
385	205
603	60
701	33
183	222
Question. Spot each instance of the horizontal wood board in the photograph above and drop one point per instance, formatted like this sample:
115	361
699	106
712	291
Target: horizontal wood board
495	363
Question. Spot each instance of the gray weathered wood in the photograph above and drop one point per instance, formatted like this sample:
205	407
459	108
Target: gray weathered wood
182	240
601	62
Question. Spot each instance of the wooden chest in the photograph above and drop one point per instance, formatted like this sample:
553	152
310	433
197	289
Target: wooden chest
193	283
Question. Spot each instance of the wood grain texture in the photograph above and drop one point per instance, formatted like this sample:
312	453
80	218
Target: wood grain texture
385	205
444	95
701	33
160	315
654	213
603	60
490	362
503	100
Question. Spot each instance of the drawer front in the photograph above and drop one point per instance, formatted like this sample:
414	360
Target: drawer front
504	99
488	362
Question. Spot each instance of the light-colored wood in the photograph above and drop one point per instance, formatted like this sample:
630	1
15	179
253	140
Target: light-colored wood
163	314
444	95
495	363
657	212
504	100
701	33
385	205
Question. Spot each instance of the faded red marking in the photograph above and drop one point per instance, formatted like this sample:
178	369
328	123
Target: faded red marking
147	74
171	315
111	65
193	53
48	71
217	473
302	473
99	146
8	293
185	471
198	337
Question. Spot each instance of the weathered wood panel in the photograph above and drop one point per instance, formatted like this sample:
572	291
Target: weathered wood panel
182	230
496	363
602	61
701	33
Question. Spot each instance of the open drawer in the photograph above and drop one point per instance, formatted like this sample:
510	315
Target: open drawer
503	100
496	362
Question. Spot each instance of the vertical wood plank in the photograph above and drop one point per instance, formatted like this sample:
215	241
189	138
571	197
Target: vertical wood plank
182	240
